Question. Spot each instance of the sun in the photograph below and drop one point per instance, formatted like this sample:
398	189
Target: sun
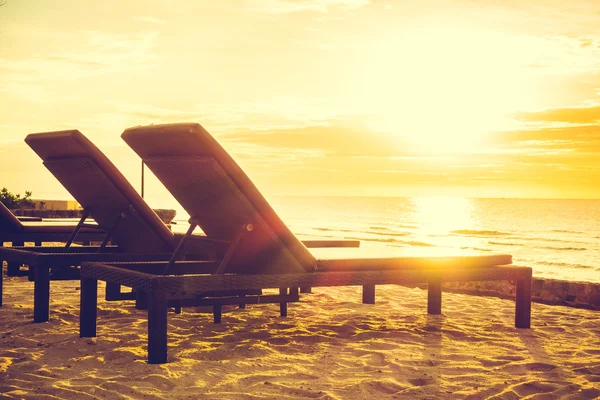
443	87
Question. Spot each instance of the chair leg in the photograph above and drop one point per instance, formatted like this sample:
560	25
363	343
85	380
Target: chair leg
523	303
1	283
13	268
157	329
113	291
368	294
283	309
88	305
434	297
141	300
41	294
217	313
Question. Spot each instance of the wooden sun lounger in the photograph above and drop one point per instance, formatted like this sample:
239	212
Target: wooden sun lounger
19	230
104	193
183	286
262	252
127	221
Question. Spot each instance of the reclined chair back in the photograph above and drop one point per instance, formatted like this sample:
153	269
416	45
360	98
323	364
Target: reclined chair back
219	197
92	180
8	221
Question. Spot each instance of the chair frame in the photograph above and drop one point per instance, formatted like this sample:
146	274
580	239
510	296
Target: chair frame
267	255
184	286
19	236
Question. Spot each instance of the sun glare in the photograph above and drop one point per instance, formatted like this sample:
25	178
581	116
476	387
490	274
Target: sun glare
441	215
443	89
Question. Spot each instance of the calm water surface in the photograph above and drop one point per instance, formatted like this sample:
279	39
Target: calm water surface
558	238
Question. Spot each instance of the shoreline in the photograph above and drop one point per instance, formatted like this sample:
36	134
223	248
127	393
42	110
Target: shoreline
548	291
166	215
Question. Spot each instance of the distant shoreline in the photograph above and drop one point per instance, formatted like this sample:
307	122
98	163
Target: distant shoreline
166	215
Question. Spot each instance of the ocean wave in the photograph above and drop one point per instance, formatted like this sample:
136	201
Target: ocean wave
314	235
393	241
567	248
505	243
334	230
381	230
408	226
565	231
564	248
564	264
540	239
384	228
475	248
396	234
387	232
477	232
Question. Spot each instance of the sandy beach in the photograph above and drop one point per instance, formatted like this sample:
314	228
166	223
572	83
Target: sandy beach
329	347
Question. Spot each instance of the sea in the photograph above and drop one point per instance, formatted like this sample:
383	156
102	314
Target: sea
559	239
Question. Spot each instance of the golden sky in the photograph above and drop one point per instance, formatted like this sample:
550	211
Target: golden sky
476	98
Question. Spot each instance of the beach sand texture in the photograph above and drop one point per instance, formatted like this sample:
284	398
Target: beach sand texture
329	347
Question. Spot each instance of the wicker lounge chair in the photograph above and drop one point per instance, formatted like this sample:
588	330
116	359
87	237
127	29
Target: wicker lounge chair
130	224
262	252
19	230
137	232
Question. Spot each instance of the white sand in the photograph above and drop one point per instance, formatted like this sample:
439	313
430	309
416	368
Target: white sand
329	347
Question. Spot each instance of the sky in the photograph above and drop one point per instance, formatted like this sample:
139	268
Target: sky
469	98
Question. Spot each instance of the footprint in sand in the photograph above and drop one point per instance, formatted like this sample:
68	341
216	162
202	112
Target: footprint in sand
420	381
518	368
591	393
511	358
158	381
387	387
534	387
377	360
493	363
589	370
540	366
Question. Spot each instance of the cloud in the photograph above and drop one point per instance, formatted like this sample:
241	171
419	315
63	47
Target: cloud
150	20
102	53
277	113
32	78
292	6
551	17
335	140
34	93
571	115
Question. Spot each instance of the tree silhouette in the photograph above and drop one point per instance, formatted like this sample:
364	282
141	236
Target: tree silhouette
13	201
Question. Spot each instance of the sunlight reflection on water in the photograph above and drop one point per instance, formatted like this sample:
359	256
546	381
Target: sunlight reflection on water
558	238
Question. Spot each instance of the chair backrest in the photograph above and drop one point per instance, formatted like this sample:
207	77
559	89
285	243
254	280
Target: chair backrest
100	188
8	221
217	193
